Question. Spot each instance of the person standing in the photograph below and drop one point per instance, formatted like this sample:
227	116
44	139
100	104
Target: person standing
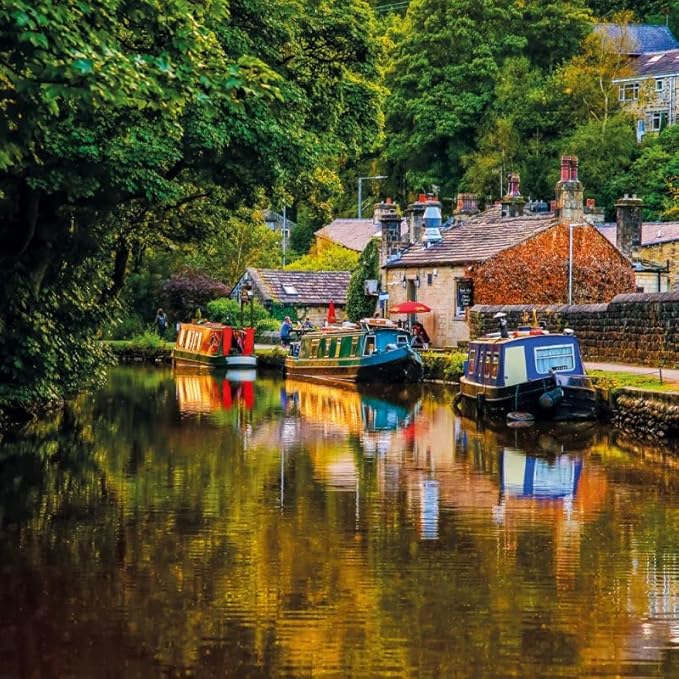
286	327
161	322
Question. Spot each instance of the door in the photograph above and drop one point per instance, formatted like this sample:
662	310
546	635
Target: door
515	366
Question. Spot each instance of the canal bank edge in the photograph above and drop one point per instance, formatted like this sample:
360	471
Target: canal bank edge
644	413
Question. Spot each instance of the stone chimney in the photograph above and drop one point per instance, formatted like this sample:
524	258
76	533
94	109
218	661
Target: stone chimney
513	202
569	194
387	216
467	205
415	216
628	219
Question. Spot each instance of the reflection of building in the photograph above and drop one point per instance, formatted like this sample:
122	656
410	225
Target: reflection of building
207	393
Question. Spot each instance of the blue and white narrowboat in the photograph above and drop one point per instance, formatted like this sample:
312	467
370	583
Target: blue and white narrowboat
374	350
527	370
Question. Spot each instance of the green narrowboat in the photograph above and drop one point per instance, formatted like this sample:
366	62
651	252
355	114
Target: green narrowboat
373	350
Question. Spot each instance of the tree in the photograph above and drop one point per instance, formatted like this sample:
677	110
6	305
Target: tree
654	176
120	121
331	258
360	305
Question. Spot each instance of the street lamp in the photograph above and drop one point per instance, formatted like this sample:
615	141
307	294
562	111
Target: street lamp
570	262
360	179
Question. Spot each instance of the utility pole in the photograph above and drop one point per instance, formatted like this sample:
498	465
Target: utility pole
285	231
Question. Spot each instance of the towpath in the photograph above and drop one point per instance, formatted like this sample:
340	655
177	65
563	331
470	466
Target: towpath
669	375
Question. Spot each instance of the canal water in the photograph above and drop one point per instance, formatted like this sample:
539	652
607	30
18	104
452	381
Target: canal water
190	525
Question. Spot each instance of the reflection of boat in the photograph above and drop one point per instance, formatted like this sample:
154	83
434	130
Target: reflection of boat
375	350
526	476
208	393
376	410
214	345
527	370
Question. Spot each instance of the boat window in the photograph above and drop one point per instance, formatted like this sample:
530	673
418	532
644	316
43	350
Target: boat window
556	357
338	348
487	364
346	346
313	351
369	345
402	340
495	362
472	360
354	346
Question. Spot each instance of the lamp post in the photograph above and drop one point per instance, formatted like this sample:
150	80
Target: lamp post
570	263
360	196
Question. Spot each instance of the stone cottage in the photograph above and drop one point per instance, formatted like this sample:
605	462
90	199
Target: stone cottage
304	294
503	255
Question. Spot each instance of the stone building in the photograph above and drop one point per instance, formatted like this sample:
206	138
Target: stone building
503	255
306	294
653	247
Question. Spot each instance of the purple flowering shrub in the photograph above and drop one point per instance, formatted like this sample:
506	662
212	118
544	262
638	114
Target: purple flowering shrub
189	289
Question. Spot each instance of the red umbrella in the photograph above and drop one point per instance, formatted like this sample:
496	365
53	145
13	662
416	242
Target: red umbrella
331	318
409	308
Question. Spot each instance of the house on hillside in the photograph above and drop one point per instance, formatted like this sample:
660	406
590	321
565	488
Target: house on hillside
304	294
504	255
638	39
652	246
651	92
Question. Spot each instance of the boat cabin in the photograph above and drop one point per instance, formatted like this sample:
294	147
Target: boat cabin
522	356
352	340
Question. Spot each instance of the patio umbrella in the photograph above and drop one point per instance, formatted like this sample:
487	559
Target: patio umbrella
331	318
409	307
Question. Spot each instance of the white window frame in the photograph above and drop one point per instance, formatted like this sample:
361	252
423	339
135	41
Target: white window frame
659	85
656	120
629	87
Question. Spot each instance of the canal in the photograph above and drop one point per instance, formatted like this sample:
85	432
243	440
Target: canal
188	525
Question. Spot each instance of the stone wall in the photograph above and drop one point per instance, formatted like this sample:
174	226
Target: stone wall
634	328
664	253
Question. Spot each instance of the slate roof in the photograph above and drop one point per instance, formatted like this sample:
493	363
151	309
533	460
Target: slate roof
643	38
476	240
654	65
651	232
313	287
353	234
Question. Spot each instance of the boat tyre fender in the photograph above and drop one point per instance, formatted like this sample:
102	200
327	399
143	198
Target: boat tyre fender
213	343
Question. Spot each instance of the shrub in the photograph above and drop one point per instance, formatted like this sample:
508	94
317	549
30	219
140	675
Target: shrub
190	289
228	311
443	366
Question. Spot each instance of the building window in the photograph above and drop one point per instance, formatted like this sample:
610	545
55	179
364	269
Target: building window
657	120
430	278
464	295
629	92
659	85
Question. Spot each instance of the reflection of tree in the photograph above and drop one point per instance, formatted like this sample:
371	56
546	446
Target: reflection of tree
138	540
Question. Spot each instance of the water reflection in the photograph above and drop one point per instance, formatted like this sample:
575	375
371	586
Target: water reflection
163	528
204	393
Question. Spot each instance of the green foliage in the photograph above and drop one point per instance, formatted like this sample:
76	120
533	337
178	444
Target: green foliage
332	257
360	305
266	325
236	241
149	340
653	175
604	151
228	311
448	59
446	366
124	125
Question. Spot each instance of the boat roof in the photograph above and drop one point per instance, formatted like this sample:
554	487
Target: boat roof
520	335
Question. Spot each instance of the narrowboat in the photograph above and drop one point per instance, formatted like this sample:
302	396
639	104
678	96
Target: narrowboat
214	346
373	350
528	370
